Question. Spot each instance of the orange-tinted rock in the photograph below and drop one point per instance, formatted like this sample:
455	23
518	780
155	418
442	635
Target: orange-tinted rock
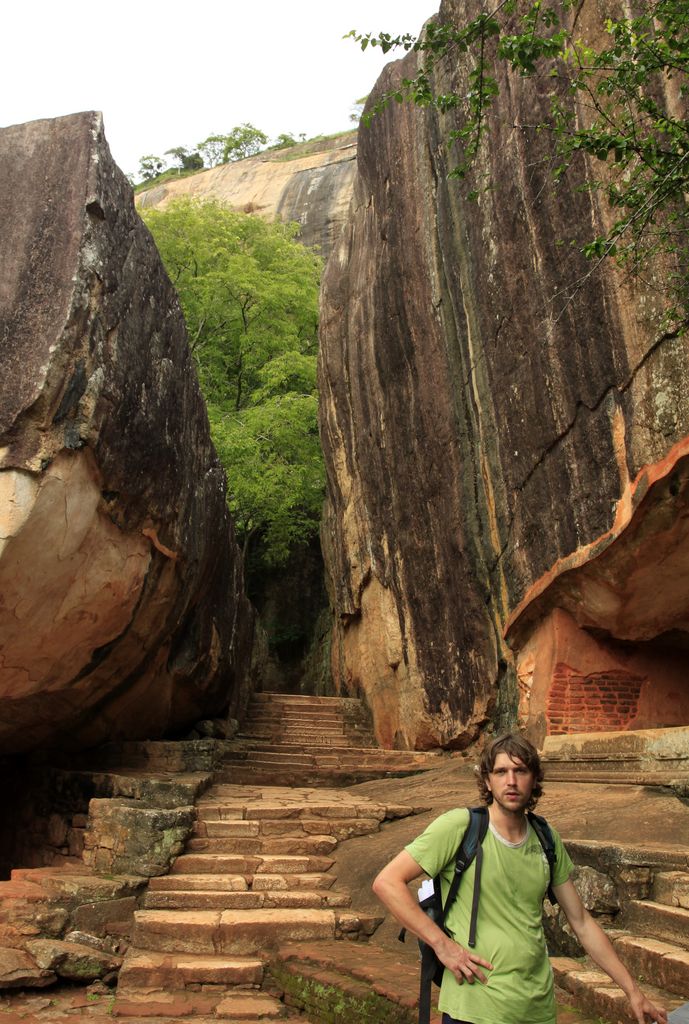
122	612
19	970
484	442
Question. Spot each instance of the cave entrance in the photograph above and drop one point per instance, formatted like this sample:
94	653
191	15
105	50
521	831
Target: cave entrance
605	648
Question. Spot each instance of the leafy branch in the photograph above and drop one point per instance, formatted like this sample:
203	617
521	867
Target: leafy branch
623	106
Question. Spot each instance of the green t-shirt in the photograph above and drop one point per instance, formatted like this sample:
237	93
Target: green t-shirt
509	930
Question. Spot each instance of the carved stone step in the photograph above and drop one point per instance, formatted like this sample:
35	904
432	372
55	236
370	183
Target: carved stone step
175	971
341	828
234	932
302	699
278	845
273	899
199	883
594	992
226	808
671	888
235	864
662	963
231	1006
266	775
658	921
205	899
238	883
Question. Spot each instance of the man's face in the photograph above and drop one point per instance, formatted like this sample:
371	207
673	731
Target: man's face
511	783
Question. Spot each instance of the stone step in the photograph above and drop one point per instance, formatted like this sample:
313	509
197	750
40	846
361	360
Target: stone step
199	883
235	864
273	899
305	708
266	775
614	776
251	757
231	1006
232	828
671	888
206	899
301	739
654	855
237	883
340	828
357	758
146	968
229	932
274	845
594	992
231	807
270	696
658	921
326	745
286	716
665	964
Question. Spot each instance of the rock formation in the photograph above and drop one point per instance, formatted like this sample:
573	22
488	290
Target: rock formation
122	612
310	184
506	437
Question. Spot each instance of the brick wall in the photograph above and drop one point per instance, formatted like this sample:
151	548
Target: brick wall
598	702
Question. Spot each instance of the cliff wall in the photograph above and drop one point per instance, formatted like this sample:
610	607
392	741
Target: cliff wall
122	612
296	184
506	437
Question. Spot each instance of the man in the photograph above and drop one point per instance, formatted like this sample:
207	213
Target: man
506	978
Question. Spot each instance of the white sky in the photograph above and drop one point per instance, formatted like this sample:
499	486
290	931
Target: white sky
170	74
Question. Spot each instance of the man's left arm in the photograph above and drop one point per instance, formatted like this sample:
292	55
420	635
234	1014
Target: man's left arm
599	948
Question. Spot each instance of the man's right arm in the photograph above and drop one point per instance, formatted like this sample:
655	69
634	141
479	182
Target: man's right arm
390	886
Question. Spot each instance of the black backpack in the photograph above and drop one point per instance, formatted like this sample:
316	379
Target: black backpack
470	848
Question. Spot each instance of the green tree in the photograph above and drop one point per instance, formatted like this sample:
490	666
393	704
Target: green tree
250	298
624	103
186	160
244	140
150	167
284	141
212	149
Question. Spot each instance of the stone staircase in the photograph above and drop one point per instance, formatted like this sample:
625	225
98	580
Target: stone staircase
256	874
313	741
650	932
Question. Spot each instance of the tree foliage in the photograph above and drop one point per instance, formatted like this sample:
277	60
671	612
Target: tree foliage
186	160
212	150
244	140
284	141
249	293
150	167
623	103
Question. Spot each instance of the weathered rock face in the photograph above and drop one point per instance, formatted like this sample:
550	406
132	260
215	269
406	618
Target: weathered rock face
497	456
122	611
297	184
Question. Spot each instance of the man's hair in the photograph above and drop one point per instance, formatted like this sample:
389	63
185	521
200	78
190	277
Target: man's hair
516	747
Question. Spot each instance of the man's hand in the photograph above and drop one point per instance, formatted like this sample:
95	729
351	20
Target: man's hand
645	1011
464	965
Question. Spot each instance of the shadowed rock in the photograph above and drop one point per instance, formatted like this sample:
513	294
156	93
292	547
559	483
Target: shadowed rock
122	612
495	418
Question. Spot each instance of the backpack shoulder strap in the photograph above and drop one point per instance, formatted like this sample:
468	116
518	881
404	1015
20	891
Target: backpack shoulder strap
545	838
469	849
471	841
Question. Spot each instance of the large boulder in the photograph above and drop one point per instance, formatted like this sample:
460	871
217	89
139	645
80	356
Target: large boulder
122	611
506	436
